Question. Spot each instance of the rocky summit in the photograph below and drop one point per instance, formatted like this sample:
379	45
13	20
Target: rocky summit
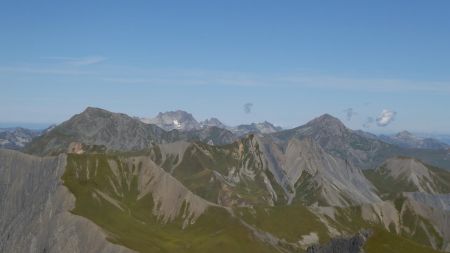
107	182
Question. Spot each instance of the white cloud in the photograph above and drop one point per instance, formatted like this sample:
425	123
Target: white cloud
386	117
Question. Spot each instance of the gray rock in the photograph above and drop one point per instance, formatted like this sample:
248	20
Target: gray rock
352	244
256	128
35	209
179	120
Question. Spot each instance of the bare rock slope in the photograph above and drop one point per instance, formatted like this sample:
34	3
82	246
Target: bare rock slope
35	209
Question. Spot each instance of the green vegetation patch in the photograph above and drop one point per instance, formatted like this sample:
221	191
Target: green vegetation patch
130	221
386	242
285	222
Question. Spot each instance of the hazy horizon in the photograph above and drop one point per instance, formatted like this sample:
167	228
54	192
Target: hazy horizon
44	125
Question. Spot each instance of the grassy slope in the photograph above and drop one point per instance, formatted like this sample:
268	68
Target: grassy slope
389	187
216	230
137	228
201	161
350	221
285	222
386	242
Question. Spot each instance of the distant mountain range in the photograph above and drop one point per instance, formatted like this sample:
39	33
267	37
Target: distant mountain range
107	182
184	121
16	138
409	140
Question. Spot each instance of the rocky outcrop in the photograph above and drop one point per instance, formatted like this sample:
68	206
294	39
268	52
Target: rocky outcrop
35	209
256	128
211	135
352	244
336	139
436	201
326	179
179	120
418	215
405	174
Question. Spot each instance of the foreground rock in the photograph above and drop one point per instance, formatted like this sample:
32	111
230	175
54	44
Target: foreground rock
35	209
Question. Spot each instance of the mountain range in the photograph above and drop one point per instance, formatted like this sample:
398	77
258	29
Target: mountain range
17	137
184	121
409	140
108	182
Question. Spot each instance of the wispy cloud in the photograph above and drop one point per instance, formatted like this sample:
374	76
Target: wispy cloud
303	80
349	113
195	77
56	66
363	84
189	77
42	71
78	61
248	108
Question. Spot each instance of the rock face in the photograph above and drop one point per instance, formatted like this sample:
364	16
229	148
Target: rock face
213	122
436	201
35	209
211	135
411	170
179	120
404	174
339	141
231	175
314	176
96	126
408	140
343	245
256	128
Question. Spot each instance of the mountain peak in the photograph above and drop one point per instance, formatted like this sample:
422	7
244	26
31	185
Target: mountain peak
261	128
94	111
326	121
213	122
404	134
326	118
179	119
91	109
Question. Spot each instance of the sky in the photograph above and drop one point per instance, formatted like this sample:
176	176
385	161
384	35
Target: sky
380	66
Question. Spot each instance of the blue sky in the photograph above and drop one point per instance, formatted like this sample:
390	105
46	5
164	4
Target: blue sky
293	60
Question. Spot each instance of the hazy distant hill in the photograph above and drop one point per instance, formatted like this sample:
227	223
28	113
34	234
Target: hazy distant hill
409	140
16	138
